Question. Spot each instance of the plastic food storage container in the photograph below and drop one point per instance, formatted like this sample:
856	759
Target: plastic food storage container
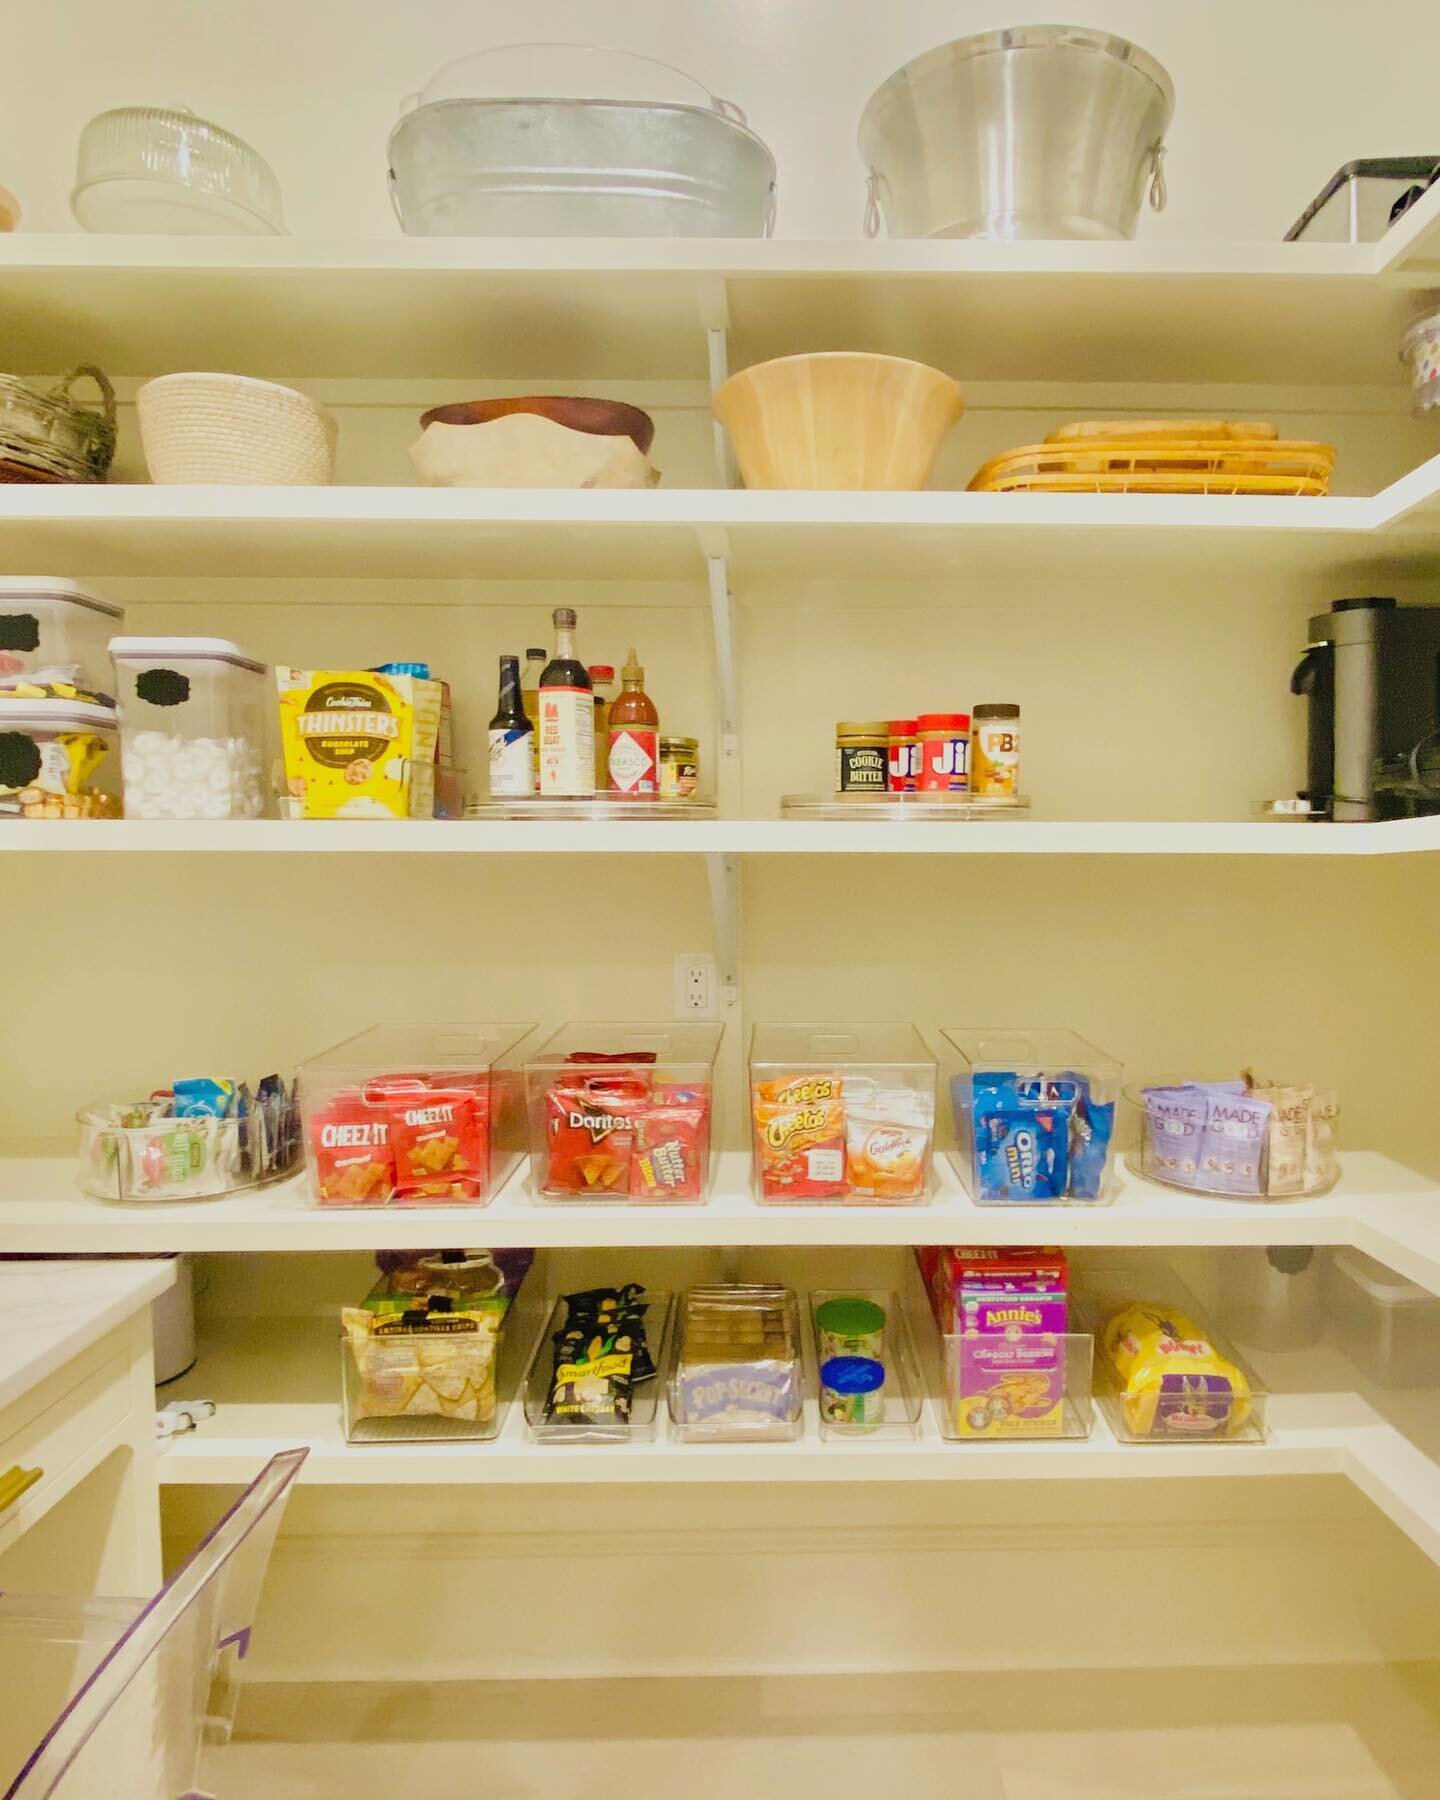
192	728
414	1115
1387	1326
1162	1375
1034	1115
623	1112
866	1367
738	1374
139	1152
50	625
1421	351
59	759
842	1113
1233	1140
606	1390
162	169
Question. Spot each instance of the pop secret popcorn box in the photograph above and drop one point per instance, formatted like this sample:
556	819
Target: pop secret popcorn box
1004	1314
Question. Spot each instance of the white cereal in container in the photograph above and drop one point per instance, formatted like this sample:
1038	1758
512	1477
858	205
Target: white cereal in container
192	728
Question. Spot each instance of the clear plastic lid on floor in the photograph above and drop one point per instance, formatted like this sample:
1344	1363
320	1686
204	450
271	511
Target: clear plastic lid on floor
599	808
942	808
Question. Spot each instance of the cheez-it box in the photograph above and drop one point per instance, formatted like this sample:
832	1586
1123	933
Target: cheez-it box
991	1288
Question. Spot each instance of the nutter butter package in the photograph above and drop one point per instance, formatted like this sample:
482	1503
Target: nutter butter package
358	744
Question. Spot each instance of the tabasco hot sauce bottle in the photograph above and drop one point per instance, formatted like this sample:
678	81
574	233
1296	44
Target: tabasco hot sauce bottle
567	716
634	736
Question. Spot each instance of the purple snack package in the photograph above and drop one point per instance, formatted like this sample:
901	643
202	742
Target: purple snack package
1237	1131
1175	1121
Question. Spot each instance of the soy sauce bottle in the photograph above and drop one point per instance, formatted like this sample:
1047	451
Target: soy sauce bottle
512	769
567	716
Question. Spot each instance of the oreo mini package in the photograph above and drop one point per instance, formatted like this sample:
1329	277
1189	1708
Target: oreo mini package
1022	1136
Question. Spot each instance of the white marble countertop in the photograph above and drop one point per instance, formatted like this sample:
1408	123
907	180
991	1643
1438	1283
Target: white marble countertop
51	1311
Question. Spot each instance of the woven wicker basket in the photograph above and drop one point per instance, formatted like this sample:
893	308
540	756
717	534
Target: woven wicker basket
233	430
53	436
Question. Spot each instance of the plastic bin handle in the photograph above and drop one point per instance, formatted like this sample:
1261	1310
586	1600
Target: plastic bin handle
1159	193
726	108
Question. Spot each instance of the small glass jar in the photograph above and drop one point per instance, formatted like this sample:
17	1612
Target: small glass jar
995	751
861	753
679	767
944	753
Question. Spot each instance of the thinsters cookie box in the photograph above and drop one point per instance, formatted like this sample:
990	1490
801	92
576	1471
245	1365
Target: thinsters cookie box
415	1115
358	744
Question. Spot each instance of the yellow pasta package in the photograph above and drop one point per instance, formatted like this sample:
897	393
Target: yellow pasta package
358	745
1174	1382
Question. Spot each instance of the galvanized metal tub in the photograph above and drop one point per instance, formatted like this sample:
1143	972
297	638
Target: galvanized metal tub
579	168
1043	131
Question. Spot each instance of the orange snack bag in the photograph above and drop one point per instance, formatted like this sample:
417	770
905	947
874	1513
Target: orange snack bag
800	1137
885	1157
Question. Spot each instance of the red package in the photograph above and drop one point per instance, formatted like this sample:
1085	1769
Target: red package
672	1145
590	1134
440	1139
350	1144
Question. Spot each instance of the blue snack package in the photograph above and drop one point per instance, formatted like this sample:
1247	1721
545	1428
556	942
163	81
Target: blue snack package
1092	1125
1022	1135
202	1095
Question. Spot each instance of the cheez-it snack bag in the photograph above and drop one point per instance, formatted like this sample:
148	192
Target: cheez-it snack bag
358	745
350	1142
440	1141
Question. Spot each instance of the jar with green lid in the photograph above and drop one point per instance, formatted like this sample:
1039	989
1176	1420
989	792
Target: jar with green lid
850	1334
851	1327
862	749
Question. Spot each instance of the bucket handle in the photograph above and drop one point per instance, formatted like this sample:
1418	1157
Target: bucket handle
727	109
872	203
1159	193
106	407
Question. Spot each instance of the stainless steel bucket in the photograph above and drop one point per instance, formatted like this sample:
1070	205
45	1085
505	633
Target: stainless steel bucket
472	164
1043	131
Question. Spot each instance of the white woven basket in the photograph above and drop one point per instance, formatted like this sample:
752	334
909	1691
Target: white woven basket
231	429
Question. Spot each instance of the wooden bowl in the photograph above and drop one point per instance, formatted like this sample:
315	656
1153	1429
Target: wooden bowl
839	419
601	418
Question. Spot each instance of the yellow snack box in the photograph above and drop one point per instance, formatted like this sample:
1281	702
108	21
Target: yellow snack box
358	745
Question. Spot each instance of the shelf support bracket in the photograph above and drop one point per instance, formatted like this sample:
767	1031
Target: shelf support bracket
722	624
715	315
722	870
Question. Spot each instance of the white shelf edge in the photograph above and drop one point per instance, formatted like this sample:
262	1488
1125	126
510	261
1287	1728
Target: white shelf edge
748	837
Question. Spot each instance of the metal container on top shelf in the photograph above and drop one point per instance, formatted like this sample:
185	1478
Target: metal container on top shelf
515	142
1037	131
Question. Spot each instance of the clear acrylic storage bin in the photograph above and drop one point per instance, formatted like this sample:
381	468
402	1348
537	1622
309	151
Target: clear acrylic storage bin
842	1114
642	1408
1389	1327
1196	1388
738	1373
415	1115
192	728
132	1154
866	1368
1033	1112
1224	1138
1011	1387
623	1113
56	628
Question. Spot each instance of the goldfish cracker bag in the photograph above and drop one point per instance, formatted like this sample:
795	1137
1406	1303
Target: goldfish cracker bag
1174	1383
800	1137
887	1146
358	744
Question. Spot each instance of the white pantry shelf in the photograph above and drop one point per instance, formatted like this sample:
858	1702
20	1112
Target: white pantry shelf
610	308
1318	1425
1379	1206
481	536
725	837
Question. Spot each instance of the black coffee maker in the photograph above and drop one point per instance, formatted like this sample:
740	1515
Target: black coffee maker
1372	678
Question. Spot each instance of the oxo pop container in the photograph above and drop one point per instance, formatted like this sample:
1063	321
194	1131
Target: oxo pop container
414	1115
58	760
192	727
623	1113
51	625
1034	1115
1389	1327
842	1113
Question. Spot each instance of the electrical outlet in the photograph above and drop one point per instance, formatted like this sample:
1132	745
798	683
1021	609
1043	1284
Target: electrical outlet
695	985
